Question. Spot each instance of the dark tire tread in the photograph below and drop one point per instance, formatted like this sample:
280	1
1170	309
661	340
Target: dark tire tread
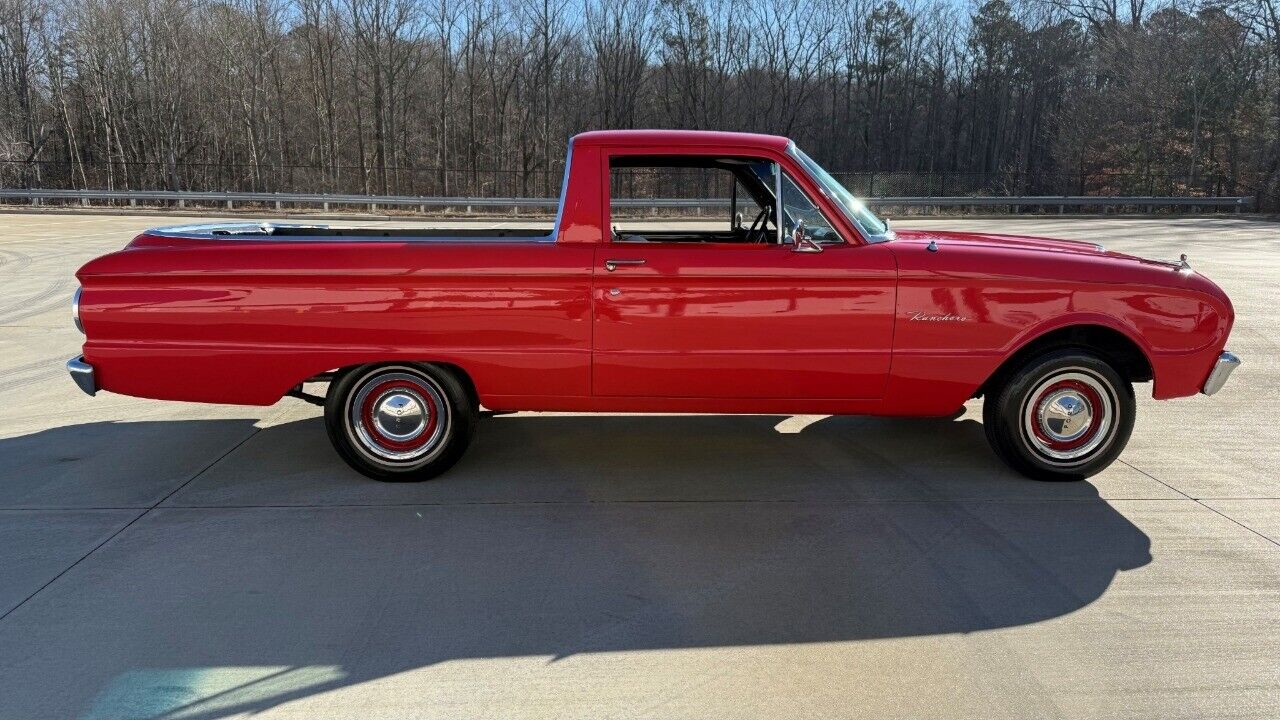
464	411
1001	415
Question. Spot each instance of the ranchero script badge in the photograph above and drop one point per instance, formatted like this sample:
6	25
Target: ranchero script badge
926	317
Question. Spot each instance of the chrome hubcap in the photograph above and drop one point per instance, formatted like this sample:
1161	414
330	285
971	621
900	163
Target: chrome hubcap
400	416
397	417
1068	417
1065	415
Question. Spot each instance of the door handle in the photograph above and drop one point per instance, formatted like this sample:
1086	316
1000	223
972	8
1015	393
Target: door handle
612	265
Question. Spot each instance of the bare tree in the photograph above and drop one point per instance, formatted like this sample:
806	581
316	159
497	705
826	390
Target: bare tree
481	96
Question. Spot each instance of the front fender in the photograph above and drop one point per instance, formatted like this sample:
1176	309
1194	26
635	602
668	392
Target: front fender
955	327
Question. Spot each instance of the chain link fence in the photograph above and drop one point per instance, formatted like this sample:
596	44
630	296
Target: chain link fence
537	181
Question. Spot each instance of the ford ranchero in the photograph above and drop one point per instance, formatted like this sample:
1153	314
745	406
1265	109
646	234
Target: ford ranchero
800	300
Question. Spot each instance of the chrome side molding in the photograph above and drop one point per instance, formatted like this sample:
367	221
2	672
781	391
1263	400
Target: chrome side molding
82	373
1222	369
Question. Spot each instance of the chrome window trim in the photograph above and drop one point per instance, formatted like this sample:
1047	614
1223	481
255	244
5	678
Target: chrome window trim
777	202
564	194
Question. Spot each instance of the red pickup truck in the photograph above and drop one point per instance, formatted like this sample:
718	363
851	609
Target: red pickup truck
798	299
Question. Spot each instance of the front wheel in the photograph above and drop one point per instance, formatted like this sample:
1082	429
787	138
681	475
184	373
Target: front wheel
1065	415
400	422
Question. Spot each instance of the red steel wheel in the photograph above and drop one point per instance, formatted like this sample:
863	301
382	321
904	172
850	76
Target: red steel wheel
397	416
1067	415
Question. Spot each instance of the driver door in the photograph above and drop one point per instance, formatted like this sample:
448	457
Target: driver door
683	317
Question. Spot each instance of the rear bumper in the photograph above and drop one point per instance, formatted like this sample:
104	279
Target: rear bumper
82	373
1222	369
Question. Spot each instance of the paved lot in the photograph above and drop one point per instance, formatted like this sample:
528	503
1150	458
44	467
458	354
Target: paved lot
186	561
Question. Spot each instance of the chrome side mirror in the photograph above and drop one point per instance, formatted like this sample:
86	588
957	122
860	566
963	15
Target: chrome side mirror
801	242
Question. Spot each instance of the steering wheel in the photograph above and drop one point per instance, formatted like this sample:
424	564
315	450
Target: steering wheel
757	233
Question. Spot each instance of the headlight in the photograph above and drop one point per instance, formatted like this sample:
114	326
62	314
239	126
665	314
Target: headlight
75	309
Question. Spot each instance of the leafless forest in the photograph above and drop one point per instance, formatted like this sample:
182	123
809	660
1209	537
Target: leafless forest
478	97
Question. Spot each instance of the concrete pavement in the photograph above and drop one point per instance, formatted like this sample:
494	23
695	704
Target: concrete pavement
166	560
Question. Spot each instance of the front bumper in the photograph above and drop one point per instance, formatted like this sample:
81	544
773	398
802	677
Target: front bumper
82	373
1227	362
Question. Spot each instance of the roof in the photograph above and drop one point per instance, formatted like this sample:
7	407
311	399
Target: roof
679	138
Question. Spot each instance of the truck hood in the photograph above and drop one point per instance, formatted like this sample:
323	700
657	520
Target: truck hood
1012	242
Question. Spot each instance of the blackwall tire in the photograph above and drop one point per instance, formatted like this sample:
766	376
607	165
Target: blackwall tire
1065	415
400	422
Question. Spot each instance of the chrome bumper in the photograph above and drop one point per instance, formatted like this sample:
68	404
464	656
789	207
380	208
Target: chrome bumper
82	373
1226	363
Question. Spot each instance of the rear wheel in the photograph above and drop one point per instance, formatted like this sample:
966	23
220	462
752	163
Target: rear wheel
400	422
1065	415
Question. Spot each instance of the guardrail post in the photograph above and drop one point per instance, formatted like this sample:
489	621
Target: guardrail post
182	203
373	207
133	202
230	205
279	205
326	206
84	201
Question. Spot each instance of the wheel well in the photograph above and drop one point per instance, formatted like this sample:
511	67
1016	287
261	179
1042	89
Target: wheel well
1113	346
467	383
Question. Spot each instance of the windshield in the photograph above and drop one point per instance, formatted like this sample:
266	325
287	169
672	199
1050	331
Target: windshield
853	208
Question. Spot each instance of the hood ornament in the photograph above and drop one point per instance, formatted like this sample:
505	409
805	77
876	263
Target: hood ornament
1183	265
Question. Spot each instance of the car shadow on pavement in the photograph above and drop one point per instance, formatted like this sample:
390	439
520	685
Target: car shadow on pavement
278	574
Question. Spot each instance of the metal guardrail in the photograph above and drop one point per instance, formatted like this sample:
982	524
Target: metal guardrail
373	202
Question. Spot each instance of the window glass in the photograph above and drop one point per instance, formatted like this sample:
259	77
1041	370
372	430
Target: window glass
854	209
679	198
799	209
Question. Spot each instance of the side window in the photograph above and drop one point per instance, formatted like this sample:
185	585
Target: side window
687	199
799	210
